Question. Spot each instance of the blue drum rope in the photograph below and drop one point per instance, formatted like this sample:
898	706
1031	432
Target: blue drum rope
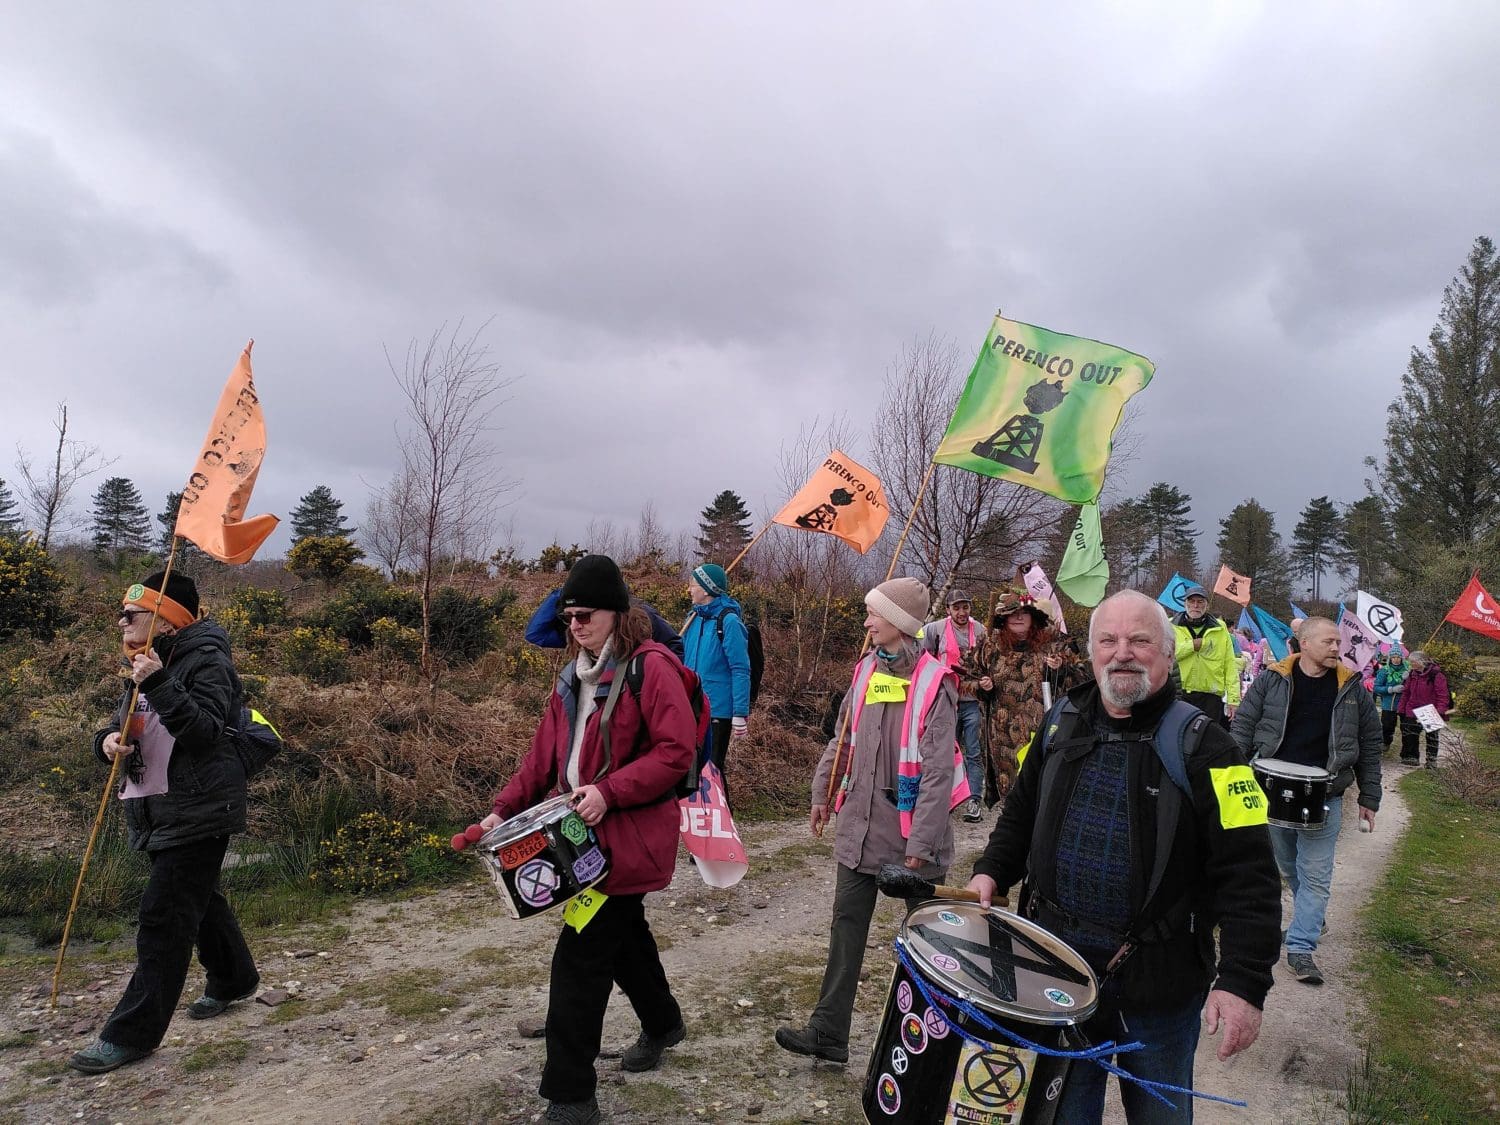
1098	1055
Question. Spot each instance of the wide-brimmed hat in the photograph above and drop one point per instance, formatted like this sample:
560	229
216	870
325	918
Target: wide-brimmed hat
1015	601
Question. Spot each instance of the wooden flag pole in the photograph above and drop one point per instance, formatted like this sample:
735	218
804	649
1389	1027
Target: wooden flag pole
109	787
746	551
1436	631
835	774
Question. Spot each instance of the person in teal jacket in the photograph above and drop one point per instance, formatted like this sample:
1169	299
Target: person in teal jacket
1390	681
715	646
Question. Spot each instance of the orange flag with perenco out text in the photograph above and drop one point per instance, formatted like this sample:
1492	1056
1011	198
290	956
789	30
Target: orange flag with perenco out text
842	498
212	512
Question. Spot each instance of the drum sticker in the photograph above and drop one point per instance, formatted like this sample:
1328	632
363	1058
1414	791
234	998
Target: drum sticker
914	1034
517	852
1059	997
900	1060
990	1085
574	829
947	917
1054	1088
937	1026
586	867
888	1095
944	962
1242	802
903	996
535	882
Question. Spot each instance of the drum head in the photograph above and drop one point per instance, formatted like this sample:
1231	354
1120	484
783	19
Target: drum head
1274	767
524	823
999	962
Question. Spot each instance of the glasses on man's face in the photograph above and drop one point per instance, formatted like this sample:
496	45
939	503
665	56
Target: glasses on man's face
578	616
129	615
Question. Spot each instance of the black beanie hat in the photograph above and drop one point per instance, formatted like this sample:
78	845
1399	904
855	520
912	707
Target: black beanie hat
180	588
595	582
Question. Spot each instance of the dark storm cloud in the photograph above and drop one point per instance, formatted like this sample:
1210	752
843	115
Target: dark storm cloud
60	242
696	227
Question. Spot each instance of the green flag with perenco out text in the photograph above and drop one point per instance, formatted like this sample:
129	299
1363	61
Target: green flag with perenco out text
1040	409
1084	572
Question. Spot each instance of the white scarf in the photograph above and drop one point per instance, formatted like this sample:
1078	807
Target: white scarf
586	705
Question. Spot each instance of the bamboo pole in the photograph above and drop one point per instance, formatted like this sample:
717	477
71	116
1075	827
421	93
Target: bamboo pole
835	774
109	787
746	551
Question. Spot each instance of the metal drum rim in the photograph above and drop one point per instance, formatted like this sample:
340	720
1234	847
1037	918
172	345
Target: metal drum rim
1289	771
508	830
1062	1018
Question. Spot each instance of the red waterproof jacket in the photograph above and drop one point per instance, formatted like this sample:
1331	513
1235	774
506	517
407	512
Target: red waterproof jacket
652	746
1424	687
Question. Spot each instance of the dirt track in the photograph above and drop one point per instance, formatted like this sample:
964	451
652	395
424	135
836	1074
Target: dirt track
409	1011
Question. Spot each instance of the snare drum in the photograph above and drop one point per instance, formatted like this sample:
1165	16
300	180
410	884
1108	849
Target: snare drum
1296	795
542	857
1022	978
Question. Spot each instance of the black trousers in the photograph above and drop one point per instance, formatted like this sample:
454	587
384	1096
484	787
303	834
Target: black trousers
182	908
616	947
1208	702
1411	733
723	731
1388	726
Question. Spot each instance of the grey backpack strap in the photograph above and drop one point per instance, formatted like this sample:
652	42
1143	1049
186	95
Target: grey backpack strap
609	709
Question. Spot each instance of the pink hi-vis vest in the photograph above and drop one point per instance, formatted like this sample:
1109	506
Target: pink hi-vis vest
921	693
951	652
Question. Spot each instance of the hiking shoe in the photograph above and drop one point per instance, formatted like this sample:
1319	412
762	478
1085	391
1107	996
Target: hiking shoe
573	1113
1304	968
1408	761
1432	763
101	1057
972	812
810	1041
206	1007
645	1052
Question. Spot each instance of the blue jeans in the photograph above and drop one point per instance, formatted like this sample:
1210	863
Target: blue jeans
1305	857
1170	1038
968	738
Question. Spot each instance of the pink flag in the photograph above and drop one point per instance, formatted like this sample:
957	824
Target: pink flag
709	834
1357	642
1040	588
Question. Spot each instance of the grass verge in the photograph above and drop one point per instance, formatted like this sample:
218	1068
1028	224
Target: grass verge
1432	964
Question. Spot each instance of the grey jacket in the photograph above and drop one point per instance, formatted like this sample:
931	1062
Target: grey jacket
1354	740
869	826
196	695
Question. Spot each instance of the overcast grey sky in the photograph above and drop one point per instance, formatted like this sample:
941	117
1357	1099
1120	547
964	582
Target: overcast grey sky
696	226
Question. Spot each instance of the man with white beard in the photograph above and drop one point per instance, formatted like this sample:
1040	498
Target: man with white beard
1119	770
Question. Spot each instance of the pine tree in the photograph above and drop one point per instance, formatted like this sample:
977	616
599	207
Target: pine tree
10	516
190	558
1315	540
723	529
1365	543
317	514
1250	545
1164	511
1127	541
1442	446
121	521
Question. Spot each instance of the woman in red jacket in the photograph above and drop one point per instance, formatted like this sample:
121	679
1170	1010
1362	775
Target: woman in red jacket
627	796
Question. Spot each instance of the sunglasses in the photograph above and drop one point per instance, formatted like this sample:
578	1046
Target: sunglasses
129	615
580	616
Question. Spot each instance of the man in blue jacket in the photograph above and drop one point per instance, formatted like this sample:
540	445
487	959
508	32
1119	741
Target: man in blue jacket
715	646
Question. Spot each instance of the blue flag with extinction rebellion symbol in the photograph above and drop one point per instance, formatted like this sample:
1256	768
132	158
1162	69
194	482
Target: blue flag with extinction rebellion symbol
1171	597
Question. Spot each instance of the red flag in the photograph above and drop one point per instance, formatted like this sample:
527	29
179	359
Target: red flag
212	513
1476	611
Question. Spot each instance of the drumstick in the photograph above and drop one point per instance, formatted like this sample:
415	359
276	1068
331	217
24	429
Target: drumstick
899	882
469	835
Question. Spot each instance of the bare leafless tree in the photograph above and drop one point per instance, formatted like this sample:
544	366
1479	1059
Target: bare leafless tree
601	537
44	490
389	529
651	540
451	386
969	529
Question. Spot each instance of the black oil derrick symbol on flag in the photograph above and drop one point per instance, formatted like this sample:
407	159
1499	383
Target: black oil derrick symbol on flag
1017	442
995	962
824	516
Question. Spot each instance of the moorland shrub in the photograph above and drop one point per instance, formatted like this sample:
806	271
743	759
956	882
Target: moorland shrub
31	590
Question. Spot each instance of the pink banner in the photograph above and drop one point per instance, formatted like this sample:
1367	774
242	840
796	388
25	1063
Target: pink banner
1358	644
709	834
1040	588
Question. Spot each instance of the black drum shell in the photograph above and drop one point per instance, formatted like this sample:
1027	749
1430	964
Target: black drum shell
1293	800
541	858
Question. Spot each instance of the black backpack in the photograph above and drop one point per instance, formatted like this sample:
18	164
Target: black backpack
255	740
753	647
634	678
